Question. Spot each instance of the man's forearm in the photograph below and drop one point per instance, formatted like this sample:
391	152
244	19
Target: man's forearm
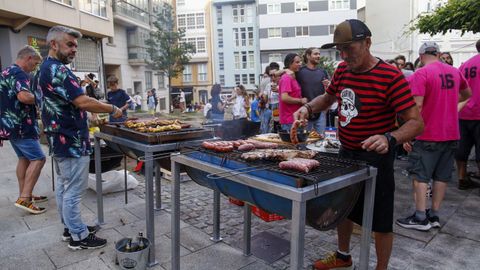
95	106
321	103
408	131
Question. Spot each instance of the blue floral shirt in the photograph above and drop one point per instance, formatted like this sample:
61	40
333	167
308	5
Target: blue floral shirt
17	120
65	125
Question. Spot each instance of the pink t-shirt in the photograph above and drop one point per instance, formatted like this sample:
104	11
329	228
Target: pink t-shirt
471	72
440	85
289	85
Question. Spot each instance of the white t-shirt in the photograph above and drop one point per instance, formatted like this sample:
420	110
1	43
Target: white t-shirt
206	108
239	108
182	96
137	99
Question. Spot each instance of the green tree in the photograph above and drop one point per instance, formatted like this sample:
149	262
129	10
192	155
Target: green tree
167	51
463	15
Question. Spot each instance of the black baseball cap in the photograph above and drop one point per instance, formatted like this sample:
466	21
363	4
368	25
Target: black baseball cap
348	32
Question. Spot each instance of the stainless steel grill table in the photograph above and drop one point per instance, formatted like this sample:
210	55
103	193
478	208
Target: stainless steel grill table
148	151
297	196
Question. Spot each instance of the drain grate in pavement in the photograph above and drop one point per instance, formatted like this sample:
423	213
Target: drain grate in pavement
269	247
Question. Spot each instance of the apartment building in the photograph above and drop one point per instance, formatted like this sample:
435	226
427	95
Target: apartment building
235	43
287	26
389	23
28	23
193	16
125	52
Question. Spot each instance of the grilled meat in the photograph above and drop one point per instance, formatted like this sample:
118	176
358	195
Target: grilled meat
277	154
299	164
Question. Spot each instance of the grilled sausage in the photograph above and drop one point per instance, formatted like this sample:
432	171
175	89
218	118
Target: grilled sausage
293	131
246	147
299	164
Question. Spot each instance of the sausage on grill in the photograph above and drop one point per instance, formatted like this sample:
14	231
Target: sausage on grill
299	164
246	147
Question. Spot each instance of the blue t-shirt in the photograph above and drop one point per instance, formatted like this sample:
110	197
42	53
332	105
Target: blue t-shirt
254	111
118	98
65	125
215	101
17	120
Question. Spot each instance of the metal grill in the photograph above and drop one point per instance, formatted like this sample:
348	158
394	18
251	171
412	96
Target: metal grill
330	165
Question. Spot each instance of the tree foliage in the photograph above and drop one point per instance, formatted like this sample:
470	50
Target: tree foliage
463	15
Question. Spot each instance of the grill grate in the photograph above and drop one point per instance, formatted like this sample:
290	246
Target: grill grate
330	165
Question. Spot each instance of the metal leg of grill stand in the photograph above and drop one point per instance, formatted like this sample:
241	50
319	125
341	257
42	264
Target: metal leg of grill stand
149	207
297	240
125	176
53	175
175	218
158	187
216	217
247	229
367	223
98	178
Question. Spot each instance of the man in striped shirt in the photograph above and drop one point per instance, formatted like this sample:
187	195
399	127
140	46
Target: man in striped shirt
370	93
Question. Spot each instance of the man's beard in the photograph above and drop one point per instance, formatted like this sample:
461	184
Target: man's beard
65	59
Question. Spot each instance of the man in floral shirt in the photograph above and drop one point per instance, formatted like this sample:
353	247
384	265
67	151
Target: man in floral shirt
64	115
18	124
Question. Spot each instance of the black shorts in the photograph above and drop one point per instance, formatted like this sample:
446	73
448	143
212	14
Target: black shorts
384	189
469	136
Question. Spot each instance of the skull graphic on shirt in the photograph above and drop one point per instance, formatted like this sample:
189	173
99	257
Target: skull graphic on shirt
349	106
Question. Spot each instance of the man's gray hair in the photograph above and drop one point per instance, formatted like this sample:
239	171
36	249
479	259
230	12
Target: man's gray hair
56	33
28	51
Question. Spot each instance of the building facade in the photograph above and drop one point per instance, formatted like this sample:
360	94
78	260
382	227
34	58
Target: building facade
193	16
125	53
287	26
28	23
235	43
389	23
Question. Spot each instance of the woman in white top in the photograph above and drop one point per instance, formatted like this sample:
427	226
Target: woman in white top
242	102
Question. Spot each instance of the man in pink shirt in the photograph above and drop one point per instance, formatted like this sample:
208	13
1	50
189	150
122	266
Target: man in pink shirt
470	123
440	91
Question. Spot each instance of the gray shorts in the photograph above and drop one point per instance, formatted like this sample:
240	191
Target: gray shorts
432	160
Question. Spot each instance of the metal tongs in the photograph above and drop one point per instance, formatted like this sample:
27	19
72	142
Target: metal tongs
239	171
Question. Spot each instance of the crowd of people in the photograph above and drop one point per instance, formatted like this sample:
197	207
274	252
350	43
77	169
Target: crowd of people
430	109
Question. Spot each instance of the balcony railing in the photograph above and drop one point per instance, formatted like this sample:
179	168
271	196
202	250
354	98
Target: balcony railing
129	10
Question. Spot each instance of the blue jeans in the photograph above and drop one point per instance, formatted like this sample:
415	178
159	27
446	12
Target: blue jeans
265	119
319	124
71	185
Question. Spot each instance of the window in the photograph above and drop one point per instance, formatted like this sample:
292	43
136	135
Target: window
275	57
95	7
221	64
244	79
236	37
241	12
244	60
220	37
219	15
201	47
191	21
202	72
66	2
200	20
274	32
162	102
243	36
187	73
181	22
301	6
148	80
161	79
250	36
236	57
301	31
274	8
251	78
237	79
180	2
331	29
222	80
251	59
339	4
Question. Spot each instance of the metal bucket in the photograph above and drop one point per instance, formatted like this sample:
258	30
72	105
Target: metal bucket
132	260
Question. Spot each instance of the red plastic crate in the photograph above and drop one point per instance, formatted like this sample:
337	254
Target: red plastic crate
236	201
268	217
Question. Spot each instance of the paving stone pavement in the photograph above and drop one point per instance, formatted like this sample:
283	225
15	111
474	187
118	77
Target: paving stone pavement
33	242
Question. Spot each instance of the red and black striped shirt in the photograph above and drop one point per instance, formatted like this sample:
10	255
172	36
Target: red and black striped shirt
368	102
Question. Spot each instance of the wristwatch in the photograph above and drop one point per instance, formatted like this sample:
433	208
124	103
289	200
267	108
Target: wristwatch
392	141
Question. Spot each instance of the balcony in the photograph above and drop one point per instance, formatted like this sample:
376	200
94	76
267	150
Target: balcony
130	15
137	50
